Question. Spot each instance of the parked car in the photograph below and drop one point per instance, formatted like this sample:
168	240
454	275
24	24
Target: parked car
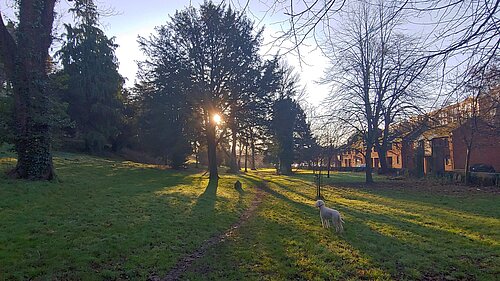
482	168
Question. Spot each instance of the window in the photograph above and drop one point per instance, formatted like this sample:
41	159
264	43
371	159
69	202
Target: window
447	161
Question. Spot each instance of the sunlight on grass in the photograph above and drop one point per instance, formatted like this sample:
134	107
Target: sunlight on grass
407	236
107	220
8	161
131	164
427	216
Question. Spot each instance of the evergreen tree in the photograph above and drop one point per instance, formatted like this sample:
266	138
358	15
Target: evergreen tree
292	137
305	146
283	124
94	85
218	48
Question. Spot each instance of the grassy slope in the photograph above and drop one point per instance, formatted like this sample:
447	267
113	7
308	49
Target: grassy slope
404	235
121	220
108	220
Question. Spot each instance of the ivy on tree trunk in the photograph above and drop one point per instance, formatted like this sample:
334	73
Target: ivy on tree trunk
26	63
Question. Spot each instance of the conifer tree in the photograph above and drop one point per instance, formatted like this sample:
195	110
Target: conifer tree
94	84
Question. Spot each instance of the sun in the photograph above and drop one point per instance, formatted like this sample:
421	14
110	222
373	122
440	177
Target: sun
217	119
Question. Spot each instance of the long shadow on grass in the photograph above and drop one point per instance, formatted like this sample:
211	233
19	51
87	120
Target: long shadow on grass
287	250
259	182
404	247
399	244
205	203
457	205
287	188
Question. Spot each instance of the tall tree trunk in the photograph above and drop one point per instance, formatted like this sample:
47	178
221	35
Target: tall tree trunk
382	157
246	157
212	153
26	64
240	154
329	165
286	158
233	162
252	142
368	160
383	147
467	163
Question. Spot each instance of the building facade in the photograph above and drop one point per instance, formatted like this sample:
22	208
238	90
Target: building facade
438	141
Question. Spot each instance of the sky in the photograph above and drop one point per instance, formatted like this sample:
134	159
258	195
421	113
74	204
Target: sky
130	19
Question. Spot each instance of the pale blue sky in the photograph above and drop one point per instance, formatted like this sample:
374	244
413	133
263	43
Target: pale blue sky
133	18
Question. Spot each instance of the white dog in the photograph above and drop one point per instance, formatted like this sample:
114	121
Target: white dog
326	214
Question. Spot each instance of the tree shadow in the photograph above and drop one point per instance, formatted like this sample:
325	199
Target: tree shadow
413	251
205	203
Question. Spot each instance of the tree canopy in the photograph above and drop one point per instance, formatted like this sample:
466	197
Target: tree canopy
94	84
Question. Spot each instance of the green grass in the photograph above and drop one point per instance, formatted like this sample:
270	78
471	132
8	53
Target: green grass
404	235
109	220
114	220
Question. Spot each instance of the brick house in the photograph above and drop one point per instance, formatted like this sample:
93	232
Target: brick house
352	156
437	142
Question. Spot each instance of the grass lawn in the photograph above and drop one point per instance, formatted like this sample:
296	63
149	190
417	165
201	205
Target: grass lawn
114	220
108	220
390	234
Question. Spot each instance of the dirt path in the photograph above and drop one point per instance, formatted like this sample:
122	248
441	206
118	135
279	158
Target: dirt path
185	263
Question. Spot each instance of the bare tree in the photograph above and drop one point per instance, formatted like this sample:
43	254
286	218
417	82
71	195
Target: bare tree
331	135
465	28
477	117
373	68
401	81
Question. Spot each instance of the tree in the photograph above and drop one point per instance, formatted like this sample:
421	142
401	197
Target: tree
94	84
292	138
254	116
467	30
374	71
401	79
165	120
24	53
283	117
478	120
306	148
283	124
219	48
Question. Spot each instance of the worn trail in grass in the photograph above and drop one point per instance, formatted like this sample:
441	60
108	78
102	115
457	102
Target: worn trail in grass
110	220
185	263
389	235
113	220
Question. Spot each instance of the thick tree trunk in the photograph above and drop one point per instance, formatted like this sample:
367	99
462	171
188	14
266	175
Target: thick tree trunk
382	157
33	142
212	153
383	147
368	161
285	167
26	67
